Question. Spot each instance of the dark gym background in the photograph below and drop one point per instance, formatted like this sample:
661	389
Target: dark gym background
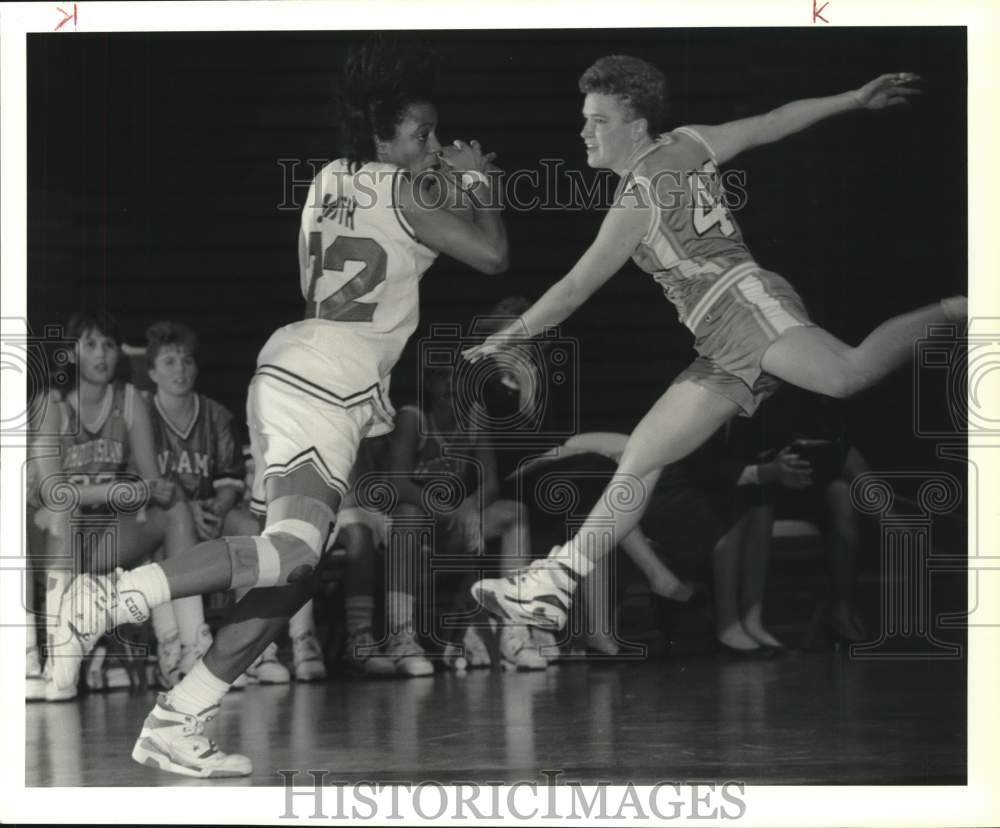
154	187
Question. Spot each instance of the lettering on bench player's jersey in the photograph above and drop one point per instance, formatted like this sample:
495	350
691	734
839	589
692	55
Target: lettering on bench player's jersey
193	462
98	451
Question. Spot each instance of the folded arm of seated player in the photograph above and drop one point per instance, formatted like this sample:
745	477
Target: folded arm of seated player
730	139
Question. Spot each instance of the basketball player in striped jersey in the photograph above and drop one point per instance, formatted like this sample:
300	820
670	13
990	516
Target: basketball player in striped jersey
196	448
750	328
370	228
105	432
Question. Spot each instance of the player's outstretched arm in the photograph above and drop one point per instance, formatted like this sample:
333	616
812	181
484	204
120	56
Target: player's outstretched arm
620	233
730	139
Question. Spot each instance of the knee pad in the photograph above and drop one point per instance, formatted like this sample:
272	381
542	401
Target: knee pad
289	548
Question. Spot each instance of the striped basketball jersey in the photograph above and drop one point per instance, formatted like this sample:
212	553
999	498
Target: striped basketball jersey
693	247
201	455
360	267
98	450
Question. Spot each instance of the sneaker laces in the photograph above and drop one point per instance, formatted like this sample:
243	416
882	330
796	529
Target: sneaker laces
193	726
473	640
361	640
305	639
516	637
404	643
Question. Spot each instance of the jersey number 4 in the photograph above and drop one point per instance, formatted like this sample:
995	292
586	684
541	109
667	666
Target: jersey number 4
707	209
361	260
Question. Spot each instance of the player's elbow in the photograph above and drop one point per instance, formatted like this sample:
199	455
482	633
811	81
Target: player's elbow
495	260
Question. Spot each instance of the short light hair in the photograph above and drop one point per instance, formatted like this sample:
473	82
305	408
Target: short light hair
640	86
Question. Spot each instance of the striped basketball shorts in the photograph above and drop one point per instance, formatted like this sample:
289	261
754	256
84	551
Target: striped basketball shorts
290	429
732	335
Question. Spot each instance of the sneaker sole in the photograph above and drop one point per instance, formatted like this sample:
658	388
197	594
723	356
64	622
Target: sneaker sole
421	672
64	676
373	668
286	679
309	671
524	668
498	605
147	753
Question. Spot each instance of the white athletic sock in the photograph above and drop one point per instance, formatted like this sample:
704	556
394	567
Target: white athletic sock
197	691
149	581
302	622
358	609
571	561
400	606
190	614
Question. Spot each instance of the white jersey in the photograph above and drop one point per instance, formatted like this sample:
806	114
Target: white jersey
360	267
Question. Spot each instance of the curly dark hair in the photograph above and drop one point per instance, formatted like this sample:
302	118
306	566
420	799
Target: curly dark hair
641	86
381	79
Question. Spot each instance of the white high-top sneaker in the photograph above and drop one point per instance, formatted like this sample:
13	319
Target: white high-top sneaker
528	597
407	656
307	657
518	651
176	742
90	607
267	669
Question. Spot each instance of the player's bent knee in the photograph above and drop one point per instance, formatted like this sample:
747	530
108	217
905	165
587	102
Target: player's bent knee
287	552
298	545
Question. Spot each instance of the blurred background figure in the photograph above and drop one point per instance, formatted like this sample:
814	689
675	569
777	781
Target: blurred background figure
106	440
432	446
807	464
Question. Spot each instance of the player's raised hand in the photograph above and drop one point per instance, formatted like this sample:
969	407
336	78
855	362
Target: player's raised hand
888	90
462	157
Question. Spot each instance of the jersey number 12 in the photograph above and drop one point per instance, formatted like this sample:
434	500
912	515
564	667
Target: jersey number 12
342	304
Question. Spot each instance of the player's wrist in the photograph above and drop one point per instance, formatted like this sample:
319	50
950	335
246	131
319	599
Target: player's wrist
766	473
473	178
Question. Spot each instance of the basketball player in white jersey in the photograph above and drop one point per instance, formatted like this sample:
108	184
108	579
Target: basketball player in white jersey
751	329
373	224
